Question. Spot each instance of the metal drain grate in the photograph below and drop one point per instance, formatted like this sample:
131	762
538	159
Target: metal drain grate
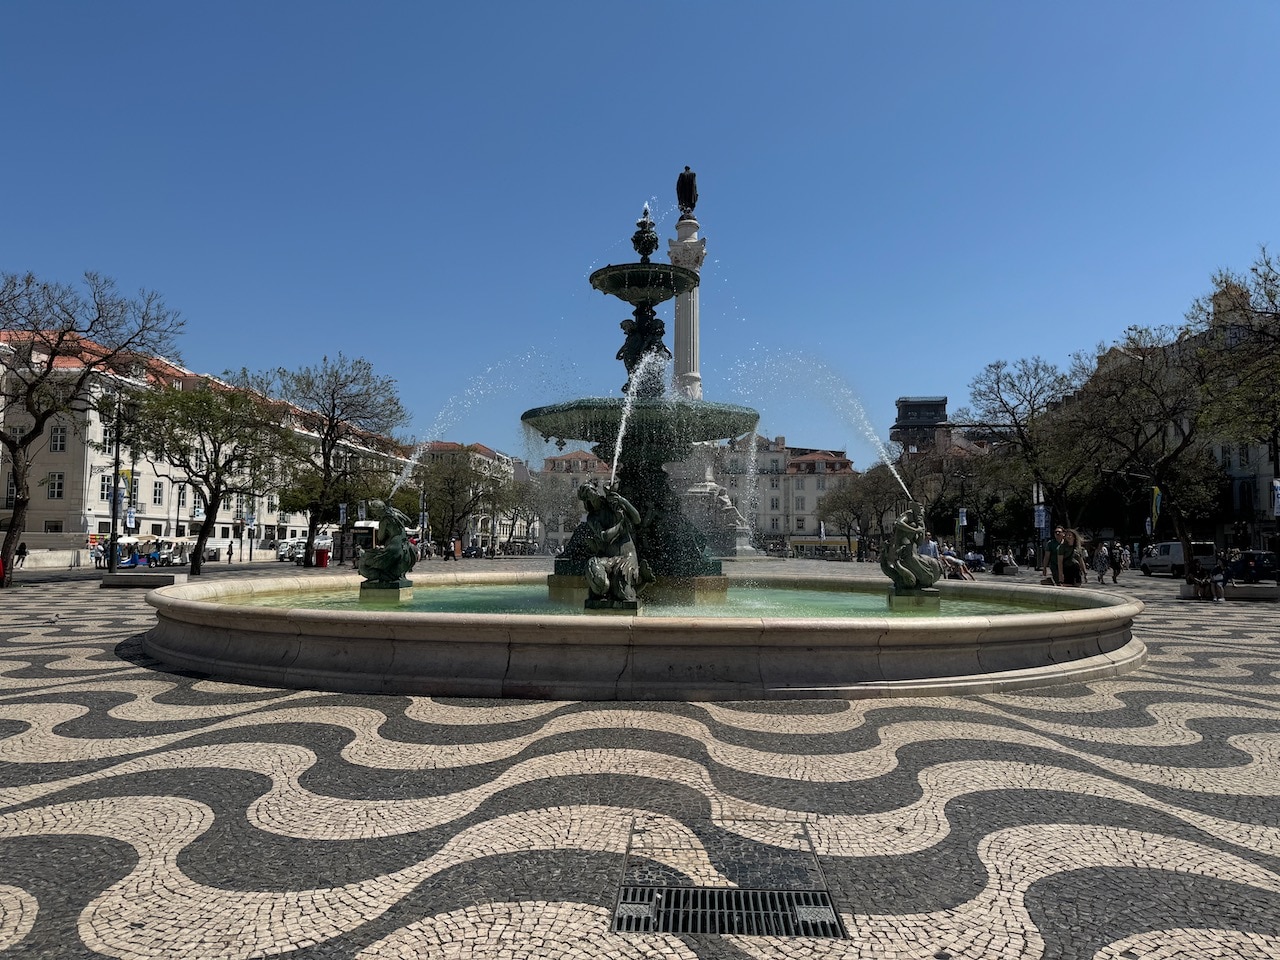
776	913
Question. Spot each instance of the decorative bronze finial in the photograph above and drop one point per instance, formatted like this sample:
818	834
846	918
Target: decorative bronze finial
645	239
687	193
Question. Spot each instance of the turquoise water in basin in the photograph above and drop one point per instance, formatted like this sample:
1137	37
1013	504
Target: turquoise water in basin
532	599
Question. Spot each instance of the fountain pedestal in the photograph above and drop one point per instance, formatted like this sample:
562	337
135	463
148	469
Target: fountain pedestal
386	591
929	599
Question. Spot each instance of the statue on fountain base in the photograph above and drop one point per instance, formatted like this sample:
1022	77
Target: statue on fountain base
392	555
902	562
615	573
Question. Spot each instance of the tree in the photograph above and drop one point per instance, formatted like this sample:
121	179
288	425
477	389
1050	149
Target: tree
1143	406
1237	329
57	343
350	414
220	439
455	487
842	509
1027	406
555	502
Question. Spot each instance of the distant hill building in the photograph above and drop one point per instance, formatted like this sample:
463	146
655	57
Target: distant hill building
922	424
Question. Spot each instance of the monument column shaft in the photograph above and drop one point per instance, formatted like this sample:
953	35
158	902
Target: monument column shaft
687	251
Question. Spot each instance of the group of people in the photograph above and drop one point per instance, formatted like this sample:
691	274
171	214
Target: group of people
1067	562
954	567
1212	584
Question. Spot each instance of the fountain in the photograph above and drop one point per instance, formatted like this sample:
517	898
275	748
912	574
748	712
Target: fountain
640	432
634	556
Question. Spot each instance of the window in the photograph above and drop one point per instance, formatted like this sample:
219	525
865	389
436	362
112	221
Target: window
182	496
1226	457
53	526
109	439
821	482
57	439
53	488
733	481
104	487
773	464
773	483
799	483
773	523
799	523
133	491
1244	457
10	492
157	493
799	503
775	503
157	529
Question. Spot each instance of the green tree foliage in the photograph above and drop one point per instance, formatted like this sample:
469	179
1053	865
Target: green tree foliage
1142	404
456	487
1237	329
219	438
349	414
1026	407
58	342
842	510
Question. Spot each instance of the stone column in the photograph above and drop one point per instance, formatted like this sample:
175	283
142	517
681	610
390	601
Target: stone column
687	251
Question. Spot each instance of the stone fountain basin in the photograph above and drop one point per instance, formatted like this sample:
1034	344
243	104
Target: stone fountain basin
672	422
614	657
649	283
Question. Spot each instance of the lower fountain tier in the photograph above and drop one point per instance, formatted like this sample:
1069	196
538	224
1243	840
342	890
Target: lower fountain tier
669	425
1079	636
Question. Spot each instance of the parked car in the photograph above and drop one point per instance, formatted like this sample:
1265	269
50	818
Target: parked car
1167	557
473	552
1254	565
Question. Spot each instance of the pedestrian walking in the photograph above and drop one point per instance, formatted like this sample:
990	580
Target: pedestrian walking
20	556
1101	562
1117	561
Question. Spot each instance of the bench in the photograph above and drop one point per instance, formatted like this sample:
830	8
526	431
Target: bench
1237	591
140	580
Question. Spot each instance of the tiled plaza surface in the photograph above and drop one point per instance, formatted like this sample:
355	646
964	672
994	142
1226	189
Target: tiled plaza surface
150	814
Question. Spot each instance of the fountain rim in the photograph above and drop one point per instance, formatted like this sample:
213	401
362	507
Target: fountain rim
623	657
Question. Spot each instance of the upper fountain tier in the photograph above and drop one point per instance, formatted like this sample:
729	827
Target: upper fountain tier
644	284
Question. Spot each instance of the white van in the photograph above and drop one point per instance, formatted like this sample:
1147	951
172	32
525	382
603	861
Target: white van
1167	557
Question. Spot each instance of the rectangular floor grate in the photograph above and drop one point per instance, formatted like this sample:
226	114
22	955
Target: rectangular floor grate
773	913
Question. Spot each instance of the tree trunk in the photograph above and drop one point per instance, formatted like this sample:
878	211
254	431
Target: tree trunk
18	521
202	538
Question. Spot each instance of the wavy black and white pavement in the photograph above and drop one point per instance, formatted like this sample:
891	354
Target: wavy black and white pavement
150	814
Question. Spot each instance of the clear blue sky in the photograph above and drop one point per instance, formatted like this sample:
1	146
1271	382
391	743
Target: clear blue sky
894	194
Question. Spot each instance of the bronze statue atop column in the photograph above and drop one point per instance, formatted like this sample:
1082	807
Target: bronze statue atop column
687	193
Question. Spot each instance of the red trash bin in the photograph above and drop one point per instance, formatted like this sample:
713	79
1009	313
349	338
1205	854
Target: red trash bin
322	557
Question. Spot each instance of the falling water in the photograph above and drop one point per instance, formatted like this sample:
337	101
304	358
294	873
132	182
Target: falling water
497	380
650	365
758	379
